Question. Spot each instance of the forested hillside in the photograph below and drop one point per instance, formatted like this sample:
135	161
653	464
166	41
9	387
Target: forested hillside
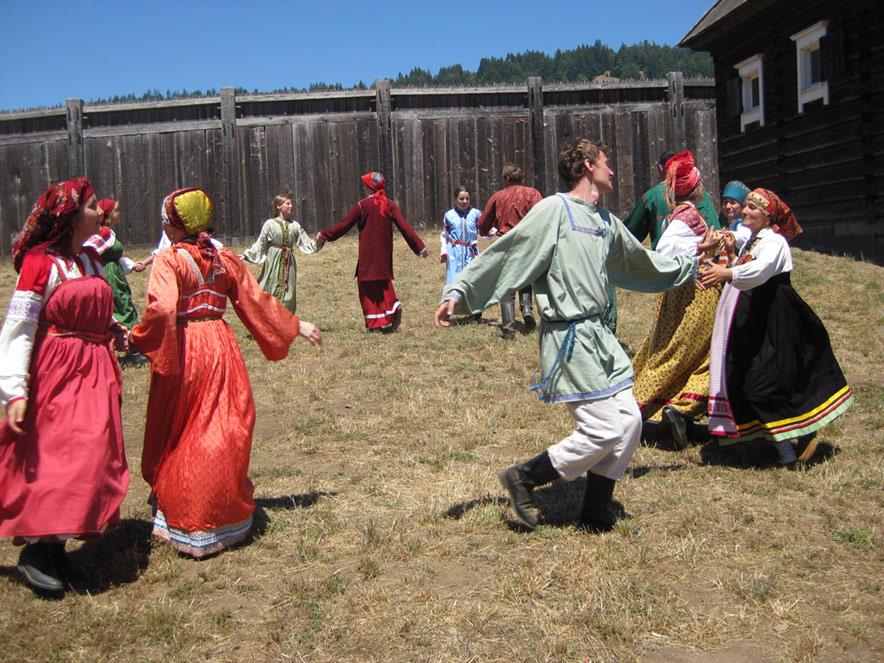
642	60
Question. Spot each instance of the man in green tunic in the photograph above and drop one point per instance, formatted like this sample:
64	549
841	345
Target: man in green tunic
570	249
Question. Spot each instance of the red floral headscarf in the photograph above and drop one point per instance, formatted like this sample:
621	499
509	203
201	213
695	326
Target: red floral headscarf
190	210
52	218
682	176
107	207
376	182
781	218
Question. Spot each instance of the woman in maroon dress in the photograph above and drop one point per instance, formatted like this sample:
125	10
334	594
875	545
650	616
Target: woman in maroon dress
375	216
63	471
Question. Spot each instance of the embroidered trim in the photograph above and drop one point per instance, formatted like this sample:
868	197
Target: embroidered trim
25	306
203	292
201	307
584	229
193	266
203	542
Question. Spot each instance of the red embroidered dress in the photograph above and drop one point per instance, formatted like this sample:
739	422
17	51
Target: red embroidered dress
67	475
201	414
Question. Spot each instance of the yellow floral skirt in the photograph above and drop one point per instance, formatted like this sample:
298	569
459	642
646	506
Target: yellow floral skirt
672	364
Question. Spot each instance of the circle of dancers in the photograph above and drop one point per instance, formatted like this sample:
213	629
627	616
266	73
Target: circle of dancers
731	339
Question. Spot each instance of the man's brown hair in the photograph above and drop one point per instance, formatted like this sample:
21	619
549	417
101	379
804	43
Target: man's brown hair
572	156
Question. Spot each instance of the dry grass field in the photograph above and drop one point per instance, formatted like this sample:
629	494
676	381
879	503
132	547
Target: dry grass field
383	535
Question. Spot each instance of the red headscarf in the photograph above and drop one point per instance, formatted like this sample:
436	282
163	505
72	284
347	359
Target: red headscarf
190	210
682	176
107	207
52	218
781	218
376	182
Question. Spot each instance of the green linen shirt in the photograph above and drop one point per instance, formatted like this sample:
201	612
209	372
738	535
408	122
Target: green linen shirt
569	249
651	211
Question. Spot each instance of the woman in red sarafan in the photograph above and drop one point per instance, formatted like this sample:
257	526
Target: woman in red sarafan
63	471
200	413
375	216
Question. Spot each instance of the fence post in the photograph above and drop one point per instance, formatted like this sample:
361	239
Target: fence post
230	164
76	154
675	79
384	106
538	151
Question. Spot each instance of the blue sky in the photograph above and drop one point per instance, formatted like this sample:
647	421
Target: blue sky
97	49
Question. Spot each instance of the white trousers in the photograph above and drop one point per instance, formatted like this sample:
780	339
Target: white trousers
607	435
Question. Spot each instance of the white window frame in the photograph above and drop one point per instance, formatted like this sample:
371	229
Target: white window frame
807	41
750	69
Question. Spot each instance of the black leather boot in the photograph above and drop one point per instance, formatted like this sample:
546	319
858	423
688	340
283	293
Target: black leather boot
36	566
527	311
678	426
596	515
508	319
521	480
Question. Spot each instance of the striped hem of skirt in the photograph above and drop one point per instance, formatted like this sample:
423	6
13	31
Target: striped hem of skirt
203	542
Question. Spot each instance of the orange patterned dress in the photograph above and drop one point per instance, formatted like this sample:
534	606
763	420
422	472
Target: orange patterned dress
201	414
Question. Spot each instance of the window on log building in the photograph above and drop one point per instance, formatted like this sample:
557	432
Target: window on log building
811	85
752	88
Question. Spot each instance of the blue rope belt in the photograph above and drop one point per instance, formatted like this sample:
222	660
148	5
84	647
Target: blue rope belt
565	352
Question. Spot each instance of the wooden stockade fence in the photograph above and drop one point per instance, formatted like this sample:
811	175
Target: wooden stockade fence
246	149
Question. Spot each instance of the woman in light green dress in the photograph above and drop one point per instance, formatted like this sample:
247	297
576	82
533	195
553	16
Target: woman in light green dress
274	249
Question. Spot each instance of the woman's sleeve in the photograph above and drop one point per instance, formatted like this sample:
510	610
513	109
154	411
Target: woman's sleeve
156	336
443	237
20	327
771	258
272	325
257	252
678	240
305	243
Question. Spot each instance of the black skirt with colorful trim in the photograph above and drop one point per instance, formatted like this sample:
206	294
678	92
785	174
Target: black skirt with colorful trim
783	380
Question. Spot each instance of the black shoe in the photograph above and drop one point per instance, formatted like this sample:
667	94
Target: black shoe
35	564
596	515
678	426
521	480
397	319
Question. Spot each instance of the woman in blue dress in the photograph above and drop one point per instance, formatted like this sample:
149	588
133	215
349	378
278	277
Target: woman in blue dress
460	235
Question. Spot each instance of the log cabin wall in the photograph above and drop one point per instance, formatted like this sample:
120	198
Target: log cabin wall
826	162
246	149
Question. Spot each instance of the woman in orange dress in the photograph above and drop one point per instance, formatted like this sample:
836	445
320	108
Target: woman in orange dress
63	471
200	413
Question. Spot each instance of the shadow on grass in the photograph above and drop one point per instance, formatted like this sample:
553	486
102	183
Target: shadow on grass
261	518
559	503
460	509
117	558
757	454
292	501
